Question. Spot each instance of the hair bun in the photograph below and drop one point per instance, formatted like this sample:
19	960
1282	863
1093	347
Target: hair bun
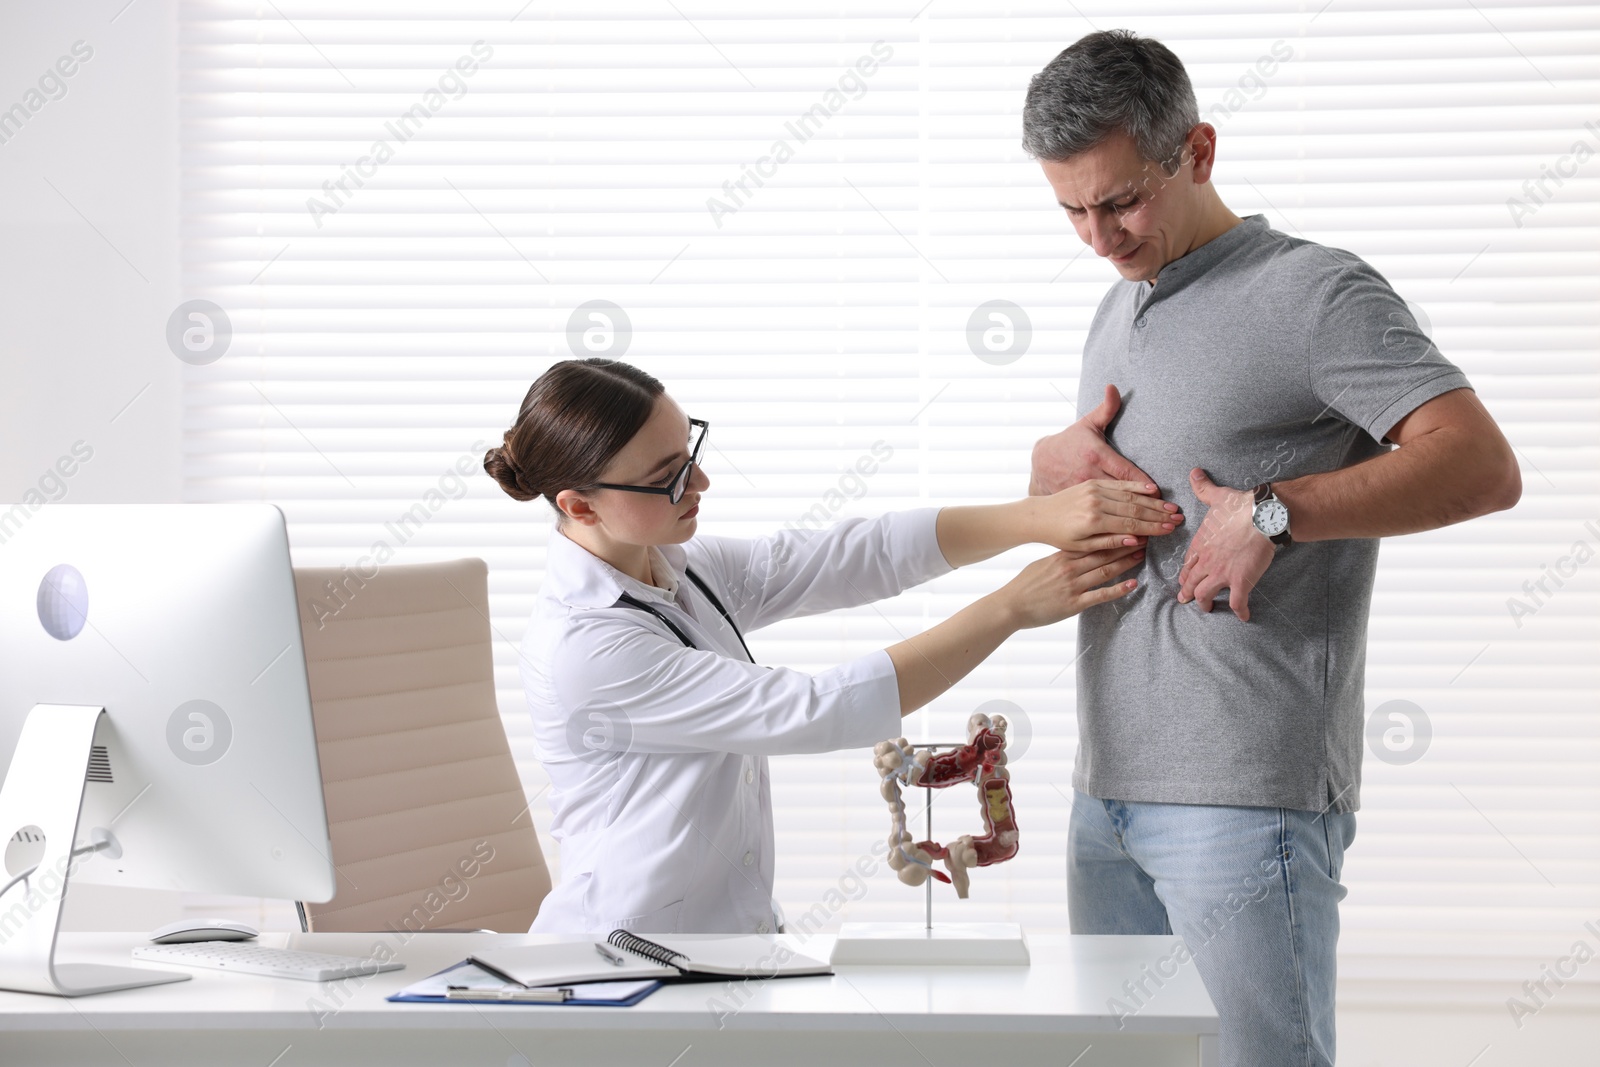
499	466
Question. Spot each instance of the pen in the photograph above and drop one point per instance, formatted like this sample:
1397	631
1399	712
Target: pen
537	996
609	955
495	971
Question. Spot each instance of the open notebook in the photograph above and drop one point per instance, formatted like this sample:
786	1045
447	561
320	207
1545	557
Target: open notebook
665	958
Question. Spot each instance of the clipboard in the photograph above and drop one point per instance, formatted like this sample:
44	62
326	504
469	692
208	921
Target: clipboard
432	990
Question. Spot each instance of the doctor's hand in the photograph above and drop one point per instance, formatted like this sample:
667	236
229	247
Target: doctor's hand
1080	452
1099	514
1062	584
1227	552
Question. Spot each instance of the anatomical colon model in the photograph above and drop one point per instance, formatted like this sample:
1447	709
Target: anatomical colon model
981	761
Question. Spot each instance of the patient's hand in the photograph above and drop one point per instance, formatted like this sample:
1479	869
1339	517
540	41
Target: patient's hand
1080	452
1227	552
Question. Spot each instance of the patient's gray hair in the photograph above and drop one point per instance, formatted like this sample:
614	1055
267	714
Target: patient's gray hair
1109	81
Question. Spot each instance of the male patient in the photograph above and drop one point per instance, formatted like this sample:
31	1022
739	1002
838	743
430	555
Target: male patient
1260	380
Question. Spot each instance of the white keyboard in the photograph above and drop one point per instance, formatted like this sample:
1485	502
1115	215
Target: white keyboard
259	959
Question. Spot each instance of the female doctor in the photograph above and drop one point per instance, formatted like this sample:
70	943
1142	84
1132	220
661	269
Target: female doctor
651	717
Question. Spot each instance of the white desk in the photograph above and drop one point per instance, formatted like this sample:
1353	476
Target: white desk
1050	1013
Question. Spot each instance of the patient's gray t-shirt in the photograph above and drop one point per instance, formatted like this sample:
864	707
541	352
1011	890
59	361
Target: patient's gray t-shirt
1258	357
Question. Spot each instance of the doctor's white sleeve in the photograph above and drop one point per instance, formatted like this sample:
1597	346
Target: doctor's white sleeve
797	572
660	696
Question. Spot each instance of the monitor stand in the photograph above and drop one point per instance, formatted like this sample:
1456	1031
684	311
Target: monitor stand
42	799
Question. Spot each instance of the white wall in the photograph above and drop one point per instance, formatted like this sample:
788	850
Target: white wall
81	332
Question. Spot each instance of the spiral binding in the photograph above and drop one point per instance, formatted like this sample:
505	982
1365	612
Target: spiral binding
648	949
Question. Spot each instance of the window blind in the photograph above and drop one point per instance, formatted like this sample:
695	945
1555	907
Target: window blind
799	218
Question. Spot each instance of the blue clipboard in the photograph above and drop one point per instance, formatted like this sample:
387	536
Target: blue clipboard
405	996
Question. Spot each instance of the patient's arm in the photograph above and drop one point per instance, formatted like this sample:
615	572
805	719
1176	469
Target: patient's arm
1453	464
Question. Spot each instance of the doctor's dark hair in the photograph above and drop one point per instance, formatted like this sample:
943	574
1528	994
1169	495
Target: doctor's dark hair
1109	81
576	417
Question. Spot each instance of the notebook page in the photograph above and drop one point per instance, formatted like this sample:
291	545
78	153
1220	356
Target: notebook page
752	954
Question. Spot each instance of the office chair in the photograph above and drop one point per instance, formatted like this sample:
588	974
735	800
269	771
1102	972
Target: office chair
428	820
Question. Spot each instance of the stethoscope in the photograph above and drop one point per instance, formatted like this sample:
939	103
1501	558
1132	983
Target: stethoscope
635	602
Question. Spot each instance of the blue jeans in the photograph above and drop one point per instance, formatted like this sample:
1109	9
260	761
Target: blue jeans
1255	893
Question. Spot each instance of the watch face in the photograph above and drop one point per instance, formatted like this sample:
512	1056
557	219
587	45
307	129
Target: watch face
1271	517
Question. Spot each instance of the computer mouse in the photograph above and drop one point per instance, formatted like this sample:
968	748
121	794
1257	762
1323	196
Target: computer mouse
202	930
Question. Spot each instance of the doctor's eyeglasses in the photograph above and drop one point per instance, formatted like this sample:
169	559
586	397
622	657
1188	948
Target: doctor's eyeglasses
680	482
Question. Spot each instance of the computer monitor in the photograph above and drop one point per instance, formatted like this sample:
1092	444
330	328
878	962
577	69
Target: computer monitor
201	774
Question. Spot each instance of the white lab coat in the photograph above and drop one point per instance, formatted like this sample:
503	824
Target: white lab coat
657	753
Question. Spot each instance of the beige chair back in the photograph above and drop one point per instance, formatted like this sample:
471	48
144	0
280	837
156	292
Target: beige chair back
429	823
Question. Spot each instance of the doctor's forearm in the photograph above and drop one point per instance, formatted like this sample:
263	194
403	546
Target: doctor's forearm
936	659
971	533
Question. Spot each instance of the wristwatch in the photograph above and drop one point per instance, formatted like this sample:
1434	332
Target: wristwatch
1271	515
